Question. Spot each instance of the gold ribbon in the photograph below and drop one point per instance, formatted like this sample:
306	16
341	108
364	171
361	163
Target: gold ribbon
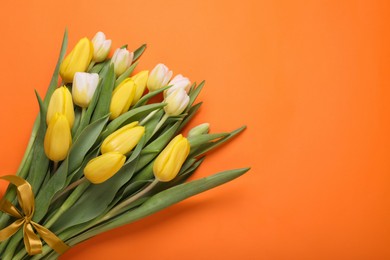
32	242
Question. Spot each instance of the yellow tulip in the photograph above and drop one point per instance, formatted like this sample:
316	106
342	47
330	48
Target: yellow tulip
121	98
124	139
58	138
77	60
168	163
61	102
140	80
103	167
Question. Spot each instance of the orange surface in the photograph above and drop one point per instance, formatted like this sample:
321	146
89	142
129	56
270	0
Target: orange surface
309	78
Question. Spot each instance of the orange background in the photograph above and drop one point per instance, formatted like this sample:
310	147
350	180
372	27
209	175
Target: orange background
309	78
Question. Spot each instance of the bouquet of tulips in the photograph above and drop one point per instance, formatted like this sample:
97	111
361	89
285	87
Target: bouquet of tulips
101	154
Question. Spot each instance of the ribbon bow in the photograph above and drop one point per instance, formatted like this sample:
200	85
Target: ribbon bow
32	242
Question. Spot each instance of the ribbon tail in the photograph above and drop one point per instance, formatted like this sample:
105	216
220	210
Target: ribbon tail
51	239
31	241
5	233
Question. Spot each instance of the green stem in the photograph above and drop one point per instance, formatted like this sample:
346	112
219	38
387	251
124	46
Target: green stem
55	167
112	213
148	117
119	208
81	125
21	172
91	66
160	123
13	243
70	187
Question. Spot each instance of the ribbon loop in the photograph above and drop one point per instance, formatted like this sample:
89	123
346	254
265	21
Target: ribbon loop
26	201
7	207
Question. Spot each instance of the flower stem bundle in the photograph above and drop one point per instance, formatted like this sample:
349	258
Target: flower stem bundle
101	154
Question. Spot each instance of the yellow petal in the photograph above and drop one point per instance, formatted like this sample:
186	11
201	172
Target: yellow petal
140	80
124	139
58	138
77	60
104	167
169	162
121	98
61	102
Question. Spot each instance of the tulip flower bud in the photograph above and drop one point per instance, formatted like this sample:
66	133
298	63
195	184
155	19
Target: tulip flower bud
101	47
83	88
177	101
77	60
103	167
140	80
168	163
58	138
199	130
178	82
121	59
159	77
121	98
61	102
124	139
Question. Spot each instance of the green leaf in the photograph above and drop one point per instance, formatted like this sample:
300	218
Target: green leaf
40	163
96	198
152	123
204	148
77	174
138	52
162	200
77	119
144	168
129	170
98	67
146	175
195	92
54	78
76	156
84	142
143	176
190	114
151	150
187	164
23	169
47	192
126	74
150	95
205	138
183	175
103	107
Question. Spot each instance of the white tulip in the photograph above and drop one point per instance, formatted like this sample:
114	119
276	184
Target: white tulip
121	59
178	82
159	77
101	47
84	87
176	102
